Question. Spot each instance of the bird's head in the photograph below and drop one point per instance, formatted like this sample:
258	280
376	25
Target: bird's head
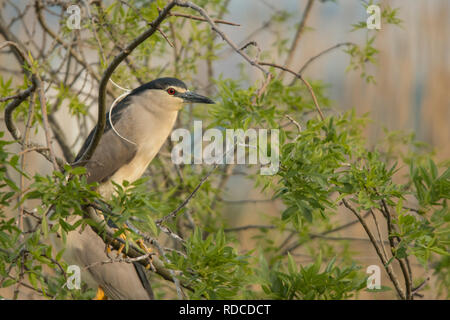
169	93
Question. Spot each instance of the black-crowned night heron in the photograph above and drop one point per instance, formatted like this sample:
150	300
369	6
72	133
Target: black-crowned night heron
141	123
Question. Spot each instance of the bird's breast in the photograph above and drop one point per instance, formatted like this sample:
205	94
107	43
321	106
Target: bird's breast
150	134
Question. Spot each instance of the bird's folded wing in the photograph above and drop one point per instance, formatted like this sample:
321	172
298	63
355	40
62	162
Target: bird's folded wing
112	152
110	155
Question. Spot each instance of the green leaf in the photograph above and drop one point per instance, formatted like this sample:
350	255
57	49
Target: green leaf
292	266
32	278
288	213
8	282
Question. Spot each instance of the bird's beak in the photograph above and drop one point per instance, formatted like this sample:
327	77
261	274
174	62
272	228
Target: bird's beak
192	97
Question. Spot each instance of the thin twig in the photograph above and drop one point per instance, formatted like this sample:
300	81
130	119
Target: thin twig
23	157
38	8
298	35
189	16
415	291
203	13
316	103
379	233
43	103
120	259
313	58
189	197
165	37
249	227
299	127
339	228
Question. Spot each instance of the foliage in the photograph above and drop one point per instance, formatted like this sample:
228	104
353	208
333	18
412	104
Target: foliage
309	283
322	162
212	268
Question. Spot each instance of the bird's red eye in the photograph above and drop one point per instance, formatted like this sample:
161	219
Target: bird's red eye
171	91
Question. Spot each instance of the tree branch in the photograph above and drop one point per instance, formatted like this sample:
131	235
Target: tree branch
202	12
312	59
387	266
36	84
339	228
405	270
298	34
133	252
101	121
188	16
73	53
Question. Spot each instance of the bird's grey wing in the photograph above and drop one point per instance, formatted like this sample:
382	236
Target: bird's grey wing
112	152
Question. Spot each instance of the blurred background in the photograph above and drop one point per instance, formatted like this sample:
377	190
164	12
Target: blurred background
412	90
413	70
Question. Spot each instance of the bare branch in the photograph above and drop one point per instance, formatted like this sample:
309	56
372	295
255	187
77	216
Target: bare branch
120	259
78	58
203	13
165	37
218	21
415	291
298	35
379	233
299	127
313	58
248	227
43	103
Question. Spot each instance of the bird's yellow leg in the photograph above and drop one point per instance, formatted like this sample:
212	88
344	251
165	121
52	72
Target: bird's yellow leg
142	245
124	237
119	251
100	294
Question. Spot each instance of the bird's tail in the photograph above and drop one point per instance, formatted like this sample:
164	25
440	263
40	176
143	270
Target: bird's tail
144	280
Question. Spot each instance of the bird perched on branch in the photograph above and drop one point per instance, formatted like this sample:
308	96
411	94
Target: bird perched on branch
136	129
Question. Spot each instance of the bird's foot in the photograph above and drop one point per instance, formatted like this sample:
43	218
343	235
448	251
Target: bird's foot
119	251
147	250
121	247
100	294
